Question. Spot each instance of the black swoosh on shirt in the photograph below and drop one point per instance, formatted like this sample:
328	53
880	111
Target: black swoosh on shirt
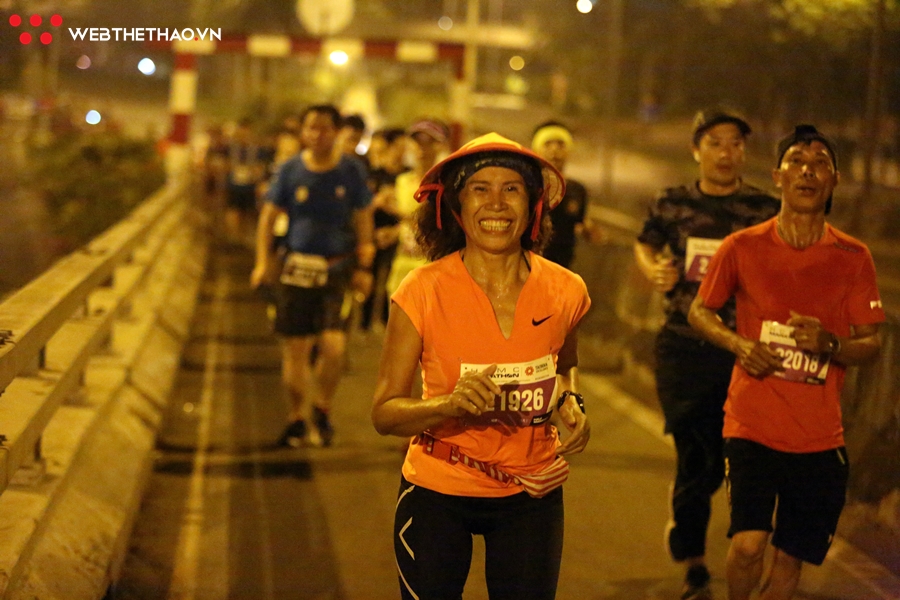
538	322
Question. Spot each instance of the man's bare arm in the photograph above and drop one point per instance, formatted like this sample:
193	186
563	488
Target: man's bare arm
758	359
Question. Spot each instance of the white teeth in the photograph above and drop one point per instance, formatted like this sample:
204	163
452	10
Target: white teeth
494	225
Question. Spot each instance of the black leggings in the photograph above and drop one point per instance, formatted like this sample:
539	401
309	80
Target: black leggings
433	532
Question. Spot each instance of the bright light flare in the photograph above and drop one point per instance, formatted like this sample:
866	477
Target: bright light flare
445	23
516	63
339	57
147	66
584	6
92	117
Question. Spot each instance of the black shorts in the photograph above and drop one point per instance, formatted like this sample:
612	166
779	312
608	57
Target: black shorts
241	197
805	493
523	539
301	312
692	378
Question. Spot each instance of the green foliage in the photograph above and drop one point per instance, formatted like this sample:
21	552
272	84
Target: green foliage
834	22
91	181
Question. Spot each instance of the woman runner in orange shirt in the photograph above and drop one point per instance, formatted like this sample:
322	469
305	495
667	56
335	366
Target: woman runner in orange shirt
493	326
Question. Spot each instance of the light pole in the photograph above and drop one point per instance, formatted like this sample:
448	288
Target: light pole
611	99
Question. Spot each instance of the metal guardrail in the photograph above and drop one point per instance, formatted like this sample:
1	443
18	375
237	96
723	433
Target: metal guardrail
87	324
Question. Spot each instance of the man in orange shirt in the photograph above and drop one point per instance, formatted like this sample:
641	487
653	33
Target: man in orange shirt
807	307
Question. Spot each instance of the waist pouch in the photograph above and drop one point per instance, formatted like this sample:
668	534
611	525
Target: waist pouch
536	485
308	270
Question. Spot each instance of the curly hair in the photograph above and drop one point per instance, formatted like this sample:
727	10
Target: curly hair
437	243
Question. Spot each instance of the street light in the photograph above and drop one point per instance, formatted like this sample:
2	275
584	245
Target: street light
339	57
584	6
147	66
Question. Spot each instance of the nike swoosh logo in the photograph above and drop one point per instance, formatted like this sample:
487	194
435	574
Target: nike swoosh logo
536	323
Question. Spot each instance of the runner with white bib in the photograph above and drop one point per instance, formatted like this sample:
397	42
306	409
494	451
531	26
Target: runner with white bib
683	231
807	307
493	326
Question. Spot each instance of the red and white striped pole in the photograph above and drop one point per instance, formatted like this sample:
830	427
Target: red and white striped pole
182	103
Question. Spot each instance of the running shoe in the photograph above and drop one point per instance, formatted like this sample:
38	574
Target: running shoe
323	426
294	435
696	584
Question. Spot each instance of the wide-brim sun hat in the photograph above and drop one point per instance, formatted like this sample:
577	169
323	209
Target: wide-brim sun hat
553	183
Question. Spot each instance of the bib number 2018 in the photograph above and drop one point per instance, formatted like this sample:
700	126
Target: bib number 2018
797	360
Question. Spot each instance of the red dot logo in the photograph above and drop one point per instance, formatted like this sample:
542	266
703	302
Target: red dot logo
35	21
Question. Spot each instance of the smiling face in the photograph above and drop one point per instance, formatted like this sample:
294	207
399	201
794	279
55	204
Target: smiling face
494	209
806	177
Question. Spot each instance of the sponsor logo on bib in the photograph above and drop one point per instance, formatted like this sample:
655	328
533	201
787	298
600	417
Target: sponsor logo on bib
526	393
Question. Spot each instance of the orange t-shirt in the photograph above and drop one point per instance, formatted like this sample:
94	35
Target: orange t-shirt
832	280
459	329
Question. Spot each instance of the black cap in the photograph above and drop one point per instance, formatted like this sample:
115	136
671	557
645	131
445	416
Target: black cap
804	134
711	117
807	134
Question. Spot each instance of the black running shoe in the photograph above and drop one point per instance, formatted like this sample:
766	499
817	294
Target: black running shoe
294	435
696	584
323	426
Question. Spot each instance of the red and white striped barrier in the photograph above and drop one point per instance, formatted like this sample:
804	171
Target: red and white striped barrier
183	86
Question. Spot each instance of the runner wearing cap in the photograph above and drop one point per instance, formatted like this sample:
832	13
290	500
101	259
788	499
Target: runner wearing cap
685	226
807	307
493	325
429	143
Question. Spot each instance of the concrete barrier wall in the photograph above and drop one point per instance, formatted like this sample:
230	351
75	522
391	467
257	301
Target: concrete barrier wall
66	517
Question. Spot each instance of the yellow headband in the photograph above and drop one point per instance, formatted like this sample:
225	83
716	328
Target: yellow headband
551	132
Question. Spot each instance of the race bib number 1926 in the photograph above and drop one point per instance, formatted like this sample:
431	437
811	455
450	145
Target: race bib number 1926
799	365
526	393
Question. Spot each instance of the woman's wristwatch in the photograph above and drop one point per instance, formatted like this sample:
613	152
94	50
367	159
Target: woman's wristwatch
579	399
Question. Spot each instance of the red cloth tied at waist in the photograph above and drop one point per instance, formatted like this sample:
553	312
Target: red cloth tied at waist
536	485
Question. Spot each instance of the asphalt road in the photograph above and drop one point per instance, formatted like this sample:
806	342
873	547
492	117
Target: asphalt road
227	515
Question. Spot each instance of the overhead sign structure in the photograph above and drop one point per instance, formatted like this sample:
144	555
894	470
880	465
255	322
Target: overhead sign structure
183	86
325	18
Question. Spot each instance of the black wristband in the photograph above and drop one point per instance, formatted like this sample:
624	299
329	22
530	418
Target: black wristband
579	399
